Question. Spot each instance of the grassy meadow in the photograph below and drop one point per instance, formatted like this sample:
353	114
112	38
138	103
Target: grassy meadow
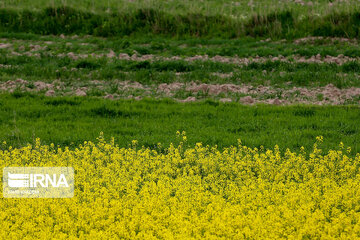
69	121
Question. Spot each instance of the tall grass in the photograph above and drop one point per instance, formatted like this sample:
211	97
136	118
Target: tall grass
235	9
280	24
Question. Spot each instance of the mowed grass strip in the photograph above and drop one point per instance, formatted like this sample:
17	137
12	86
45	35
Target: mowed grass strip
274	73
164	46
71	121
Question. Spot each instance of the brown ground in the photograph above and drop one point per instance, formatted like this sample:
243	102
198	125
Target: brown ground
340	59
246	94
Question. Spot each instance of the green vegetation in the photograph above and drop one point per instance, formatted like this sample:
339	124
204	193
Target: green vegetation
167	47
78	60
74	45
234	9
273	73
278	24
70	121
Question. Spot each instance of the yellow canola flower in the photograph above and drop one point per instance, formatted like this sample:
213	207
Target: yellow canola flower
192	193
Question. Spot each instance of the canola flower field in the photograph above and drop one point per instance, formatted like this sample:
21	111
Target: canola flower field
195	192
282	76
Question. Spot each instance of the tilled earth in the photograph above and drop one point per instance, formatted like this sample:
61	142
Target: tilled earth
189	92
83	49
183	91
36	50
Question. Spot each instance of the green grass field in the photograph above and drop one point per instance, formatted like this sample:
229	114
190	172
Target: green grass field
295	48
61	48
71	121
48	58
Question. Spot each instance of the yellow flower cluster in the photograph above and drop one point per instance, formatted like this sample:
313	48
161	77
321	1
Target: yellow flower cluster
189	193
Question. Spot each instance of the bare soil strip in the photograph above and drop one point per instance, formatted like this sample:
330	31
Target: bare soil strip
339	60
38	48
245	94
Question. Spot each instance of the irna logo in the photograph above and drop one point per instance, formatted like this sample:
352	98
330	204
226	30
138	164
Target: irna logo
38	182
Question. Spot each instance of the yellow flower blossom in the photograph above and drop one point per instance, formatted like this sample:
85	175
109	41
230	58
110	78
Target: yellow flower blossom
188	193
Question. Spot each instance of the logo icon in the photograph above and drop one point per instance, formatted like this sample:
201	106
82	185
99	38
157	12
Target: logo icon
18	180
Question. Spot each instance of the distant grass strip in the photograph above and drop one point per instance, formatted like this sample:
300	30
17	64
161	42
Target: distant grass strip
70	121
275	73
282	24
165	46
